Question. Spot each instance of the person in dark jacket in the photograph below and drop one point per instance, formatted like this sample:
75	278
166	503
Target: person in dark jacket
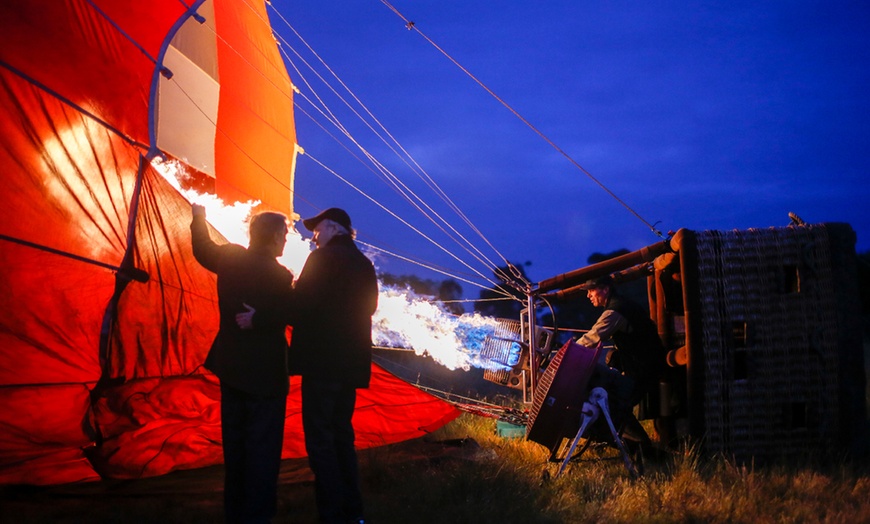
639	353
331	349
337	292
250	364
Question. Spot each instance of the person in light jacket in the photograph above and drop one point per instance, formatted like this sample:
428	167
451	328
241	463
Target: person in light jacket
639	353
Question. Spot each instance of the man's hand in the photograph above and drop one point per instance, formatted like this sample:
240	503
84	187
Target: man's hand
246	320
197	210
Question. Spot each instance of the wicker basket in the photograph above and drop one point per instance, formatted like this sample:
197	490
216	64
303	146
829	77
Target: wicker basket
775	340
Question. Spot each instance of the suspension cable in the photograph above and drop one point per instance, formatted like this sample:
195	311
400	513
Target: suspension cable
401	189
507	296
338	125
412	26
400	219
372	199
416	168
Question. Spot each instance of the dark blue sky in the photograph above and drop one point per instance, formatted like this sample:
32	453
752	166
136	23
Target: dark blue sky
712	115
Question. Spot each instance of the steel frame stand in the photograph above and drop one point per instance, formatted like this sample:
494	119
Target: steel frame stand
592	409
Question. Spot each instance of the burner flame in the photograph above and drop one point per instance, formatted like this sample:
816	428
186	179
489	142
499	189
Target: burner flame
403	319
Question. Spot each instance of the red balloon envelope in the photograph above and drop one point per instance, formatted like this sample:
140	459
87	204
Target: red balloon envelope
100	368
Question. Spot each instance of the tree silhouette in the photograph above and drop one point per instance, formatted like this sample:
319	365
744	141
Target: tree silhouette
864	292
449	293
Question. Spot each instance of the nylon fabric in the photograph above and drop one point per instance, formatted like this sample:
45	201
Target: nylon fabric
69	181
255	142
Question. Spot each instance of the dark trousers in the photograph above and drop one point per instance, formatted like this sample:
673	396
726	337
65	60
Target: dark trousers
253	434
623	393
327	410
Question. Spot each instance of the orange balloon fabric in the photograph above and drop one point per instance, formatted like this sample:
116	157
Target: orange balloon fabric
100	376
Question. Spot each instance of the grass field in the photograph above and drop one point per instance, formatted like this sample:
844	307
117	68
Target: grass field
680	487
467	473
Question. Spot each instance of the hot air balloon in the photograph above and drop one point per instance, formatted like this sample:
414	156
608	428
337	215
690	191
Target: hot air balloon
106	316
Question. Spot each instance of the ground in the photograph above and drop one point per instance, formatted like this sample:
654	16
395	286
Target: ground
194	496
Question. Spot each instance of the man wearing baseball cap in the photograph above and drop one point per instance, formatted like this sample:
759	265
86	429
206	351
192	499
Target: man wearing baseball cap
331	348
639	353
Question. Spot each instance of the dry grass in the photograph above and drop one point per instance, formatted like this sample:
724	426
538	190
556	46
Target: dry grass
503	481
466	473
